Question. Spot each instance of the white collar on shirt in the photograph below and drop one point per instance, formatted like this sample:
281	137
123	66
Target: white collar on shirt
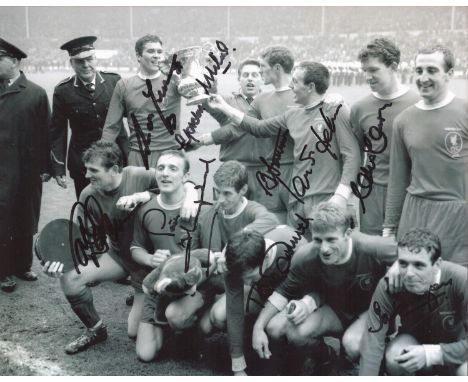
168	207
312	105
144	78
448	98
239	211
398	93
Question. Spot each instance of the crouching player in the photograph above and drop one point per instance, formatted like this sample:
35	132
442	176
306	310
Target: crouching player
159	234
111	185
329	285
432	305
256	264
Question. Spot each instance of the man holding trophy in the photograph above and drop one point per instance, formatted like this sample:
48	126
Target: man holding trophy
151	100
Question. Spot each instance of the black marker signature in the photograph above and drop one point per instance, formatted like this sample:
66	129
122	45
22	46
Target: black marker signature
190	129
210	78
271	179
432	300
201	202
365	179
323	144
170	121
283	262
93	231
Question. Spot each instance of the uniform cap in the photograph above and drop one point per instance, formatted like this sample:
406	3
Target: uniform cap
80	47
8	49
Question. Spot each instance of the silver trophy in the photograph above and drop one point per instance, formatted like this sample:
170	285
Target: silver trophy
189	87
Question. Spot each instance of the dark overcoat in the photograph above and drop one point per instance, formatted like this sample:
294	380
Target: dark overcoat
86	114
24	156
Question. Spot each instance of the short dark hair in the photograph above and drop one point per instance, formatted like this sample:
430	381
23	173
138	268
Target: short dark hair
244	251
140	43
279	55
109	153
317	73
247	61
231	174
180	154
417	239
382	48
327	216
449	59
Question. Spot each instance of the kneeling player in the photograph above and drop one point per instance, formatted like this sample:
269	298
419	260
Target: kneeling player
432	306
160	233
256	265
330	284
98	202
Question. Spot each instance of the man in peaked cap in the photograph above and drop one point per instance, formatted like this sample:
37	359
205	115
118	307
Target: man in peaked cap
83	101
24	163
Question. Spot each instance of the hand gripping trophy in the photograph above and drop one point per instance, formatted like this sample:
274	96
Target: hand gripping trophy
192	69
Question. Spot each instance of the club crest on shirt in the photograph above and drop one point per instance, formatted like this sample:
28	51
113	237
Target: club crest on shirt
319	125
448	320
365	281
453	143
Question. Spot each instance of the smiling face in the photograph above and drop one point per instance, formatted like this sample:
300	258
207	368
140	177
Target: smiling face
332	245
85	68
101	178
150	57
170	174
417	270
250	80
380	77
431	78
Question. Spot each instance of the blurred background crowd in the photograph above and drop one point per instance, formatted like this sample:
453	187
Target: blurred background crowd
331	35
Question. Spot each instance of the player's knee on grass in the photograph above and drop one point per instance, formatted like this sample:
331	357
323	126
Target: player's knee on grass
394	349
276	327
300	335
218	314
73	282
135	314
351	342
149	342
206	325
181	314
462	370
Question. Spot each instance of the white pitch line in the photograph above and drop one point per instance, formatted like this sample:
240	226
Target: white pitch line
19	356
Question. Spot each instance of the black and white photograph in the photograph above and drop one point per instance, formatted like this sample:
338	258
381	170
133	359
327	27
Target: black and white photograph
233	189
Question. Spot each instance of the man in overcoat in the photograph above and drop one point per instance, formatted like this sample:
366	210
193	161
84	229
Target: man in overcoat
82	100
24	163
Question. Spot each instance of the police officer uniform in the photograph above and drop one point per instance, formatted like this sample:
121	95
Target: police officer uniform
84	106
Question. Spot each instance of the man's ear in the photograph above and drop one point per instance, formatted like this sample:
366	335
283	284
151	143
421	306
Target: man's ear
348	232
186	177
450	74
244	189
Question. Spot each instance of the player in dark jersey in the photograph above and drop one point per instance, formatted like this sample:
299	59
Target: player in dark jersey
432	306
428	180
160	233
109	181
372	120
255	265
330	283
128	101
